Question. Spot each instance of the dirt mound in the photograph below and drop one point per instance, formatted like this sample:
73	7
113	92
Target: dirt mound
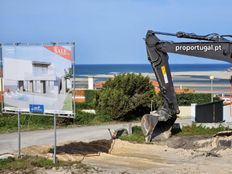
83	148
188	142
119	156
221	140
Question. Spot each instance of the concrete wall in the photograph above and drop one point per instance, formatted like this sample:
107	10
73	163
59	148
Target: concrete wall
185	111
227	113
90	83
83	82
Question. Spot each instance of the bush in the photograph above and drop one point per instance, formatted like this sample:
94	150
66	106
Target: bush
185	99
84	105
89	118
125	97
90	97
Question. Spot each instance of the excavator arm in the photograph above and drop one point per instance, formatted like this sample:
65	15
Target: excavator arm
212	46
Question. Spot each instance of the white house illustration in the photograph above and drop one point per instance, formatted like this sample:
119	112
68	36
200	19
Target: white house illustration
32	77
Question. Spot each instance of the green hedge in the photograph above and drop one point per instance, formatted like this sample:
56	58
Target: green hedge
185	99
80	106
89	118
90	97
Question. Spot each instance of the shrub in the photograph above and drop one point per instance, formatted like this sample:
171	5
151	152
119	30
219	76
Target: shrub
90	97
185	99
125	97
84	105
89	118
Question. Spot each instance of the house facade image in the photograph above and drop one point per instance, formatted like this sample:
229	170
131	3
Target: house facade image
29	82
32	77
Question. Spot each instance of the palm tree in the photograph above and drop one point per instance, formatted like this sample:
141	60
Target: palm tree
68	74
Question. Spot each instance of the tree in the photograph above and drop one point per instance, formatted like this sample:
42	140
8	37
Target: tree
68	74
126	96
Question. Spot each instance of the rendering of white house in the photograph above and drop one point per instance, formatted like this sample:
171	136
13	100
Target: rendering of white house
32	77
35	75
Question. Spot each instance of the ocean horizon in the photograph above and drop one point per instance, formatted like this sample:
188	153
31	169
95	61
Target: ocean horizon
93	69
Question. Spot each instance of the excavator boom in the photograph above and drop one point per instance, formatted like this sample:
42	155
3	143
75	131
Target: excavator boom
212	46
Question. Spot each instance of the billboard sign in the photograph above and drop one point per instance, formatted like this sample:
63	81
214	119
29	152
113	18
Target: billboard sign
36	108
35	78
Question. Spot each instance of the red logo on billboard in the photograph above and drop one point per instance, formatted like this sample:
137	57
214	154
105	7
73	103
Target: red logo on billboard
61	51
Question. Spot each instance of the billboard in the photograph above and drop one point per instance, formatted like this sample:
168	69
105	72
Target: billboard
36	78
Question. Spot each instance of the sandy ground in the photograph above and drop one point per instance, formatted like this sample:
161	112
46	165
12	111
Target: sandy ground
176	155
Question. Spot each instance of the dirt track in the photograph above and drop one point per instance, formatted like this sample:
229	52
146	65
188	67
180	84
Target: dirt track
177	155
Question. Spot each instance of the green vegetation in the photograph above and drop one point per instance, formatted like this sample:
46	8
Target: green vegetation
197	130
137	134
90	97
88	118
185	99
125	97
9	123
28	163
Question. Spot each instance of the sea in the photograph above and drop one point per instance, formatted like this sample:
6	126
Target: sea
94	69
84	70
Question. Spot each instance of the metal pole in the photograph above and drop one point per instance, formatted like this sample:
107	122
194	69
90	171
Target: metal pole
54	146
151	105
211	90
74	80
230	96
19	136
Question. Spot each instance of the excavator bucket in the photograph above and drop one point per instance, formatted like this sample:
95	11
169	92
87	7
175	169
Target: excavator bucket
153	129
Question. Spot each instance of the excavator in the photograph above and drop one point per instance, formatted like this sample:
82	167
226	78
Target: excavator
212	46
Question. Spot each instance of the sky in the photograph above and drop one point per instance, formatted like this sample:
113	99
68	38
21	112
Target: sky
111	31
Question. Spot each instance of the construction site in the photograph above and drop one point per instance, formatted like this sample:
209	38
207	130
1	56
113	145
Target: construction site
93	87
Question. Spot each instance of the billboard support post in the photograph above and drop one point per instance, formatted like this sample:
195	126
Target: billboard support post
19	135
54	146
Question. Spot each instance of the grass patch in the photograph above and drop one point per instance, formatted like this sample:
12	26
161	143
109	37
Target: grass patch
9	123
85	118
29	163
197	130
136	136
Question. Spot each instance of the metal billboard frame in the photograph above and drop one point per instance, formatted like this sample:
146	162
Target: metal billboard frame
13	110
18	112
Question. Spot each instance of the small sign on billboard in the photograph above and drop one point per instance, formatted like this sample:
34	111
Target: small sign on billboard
36	108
